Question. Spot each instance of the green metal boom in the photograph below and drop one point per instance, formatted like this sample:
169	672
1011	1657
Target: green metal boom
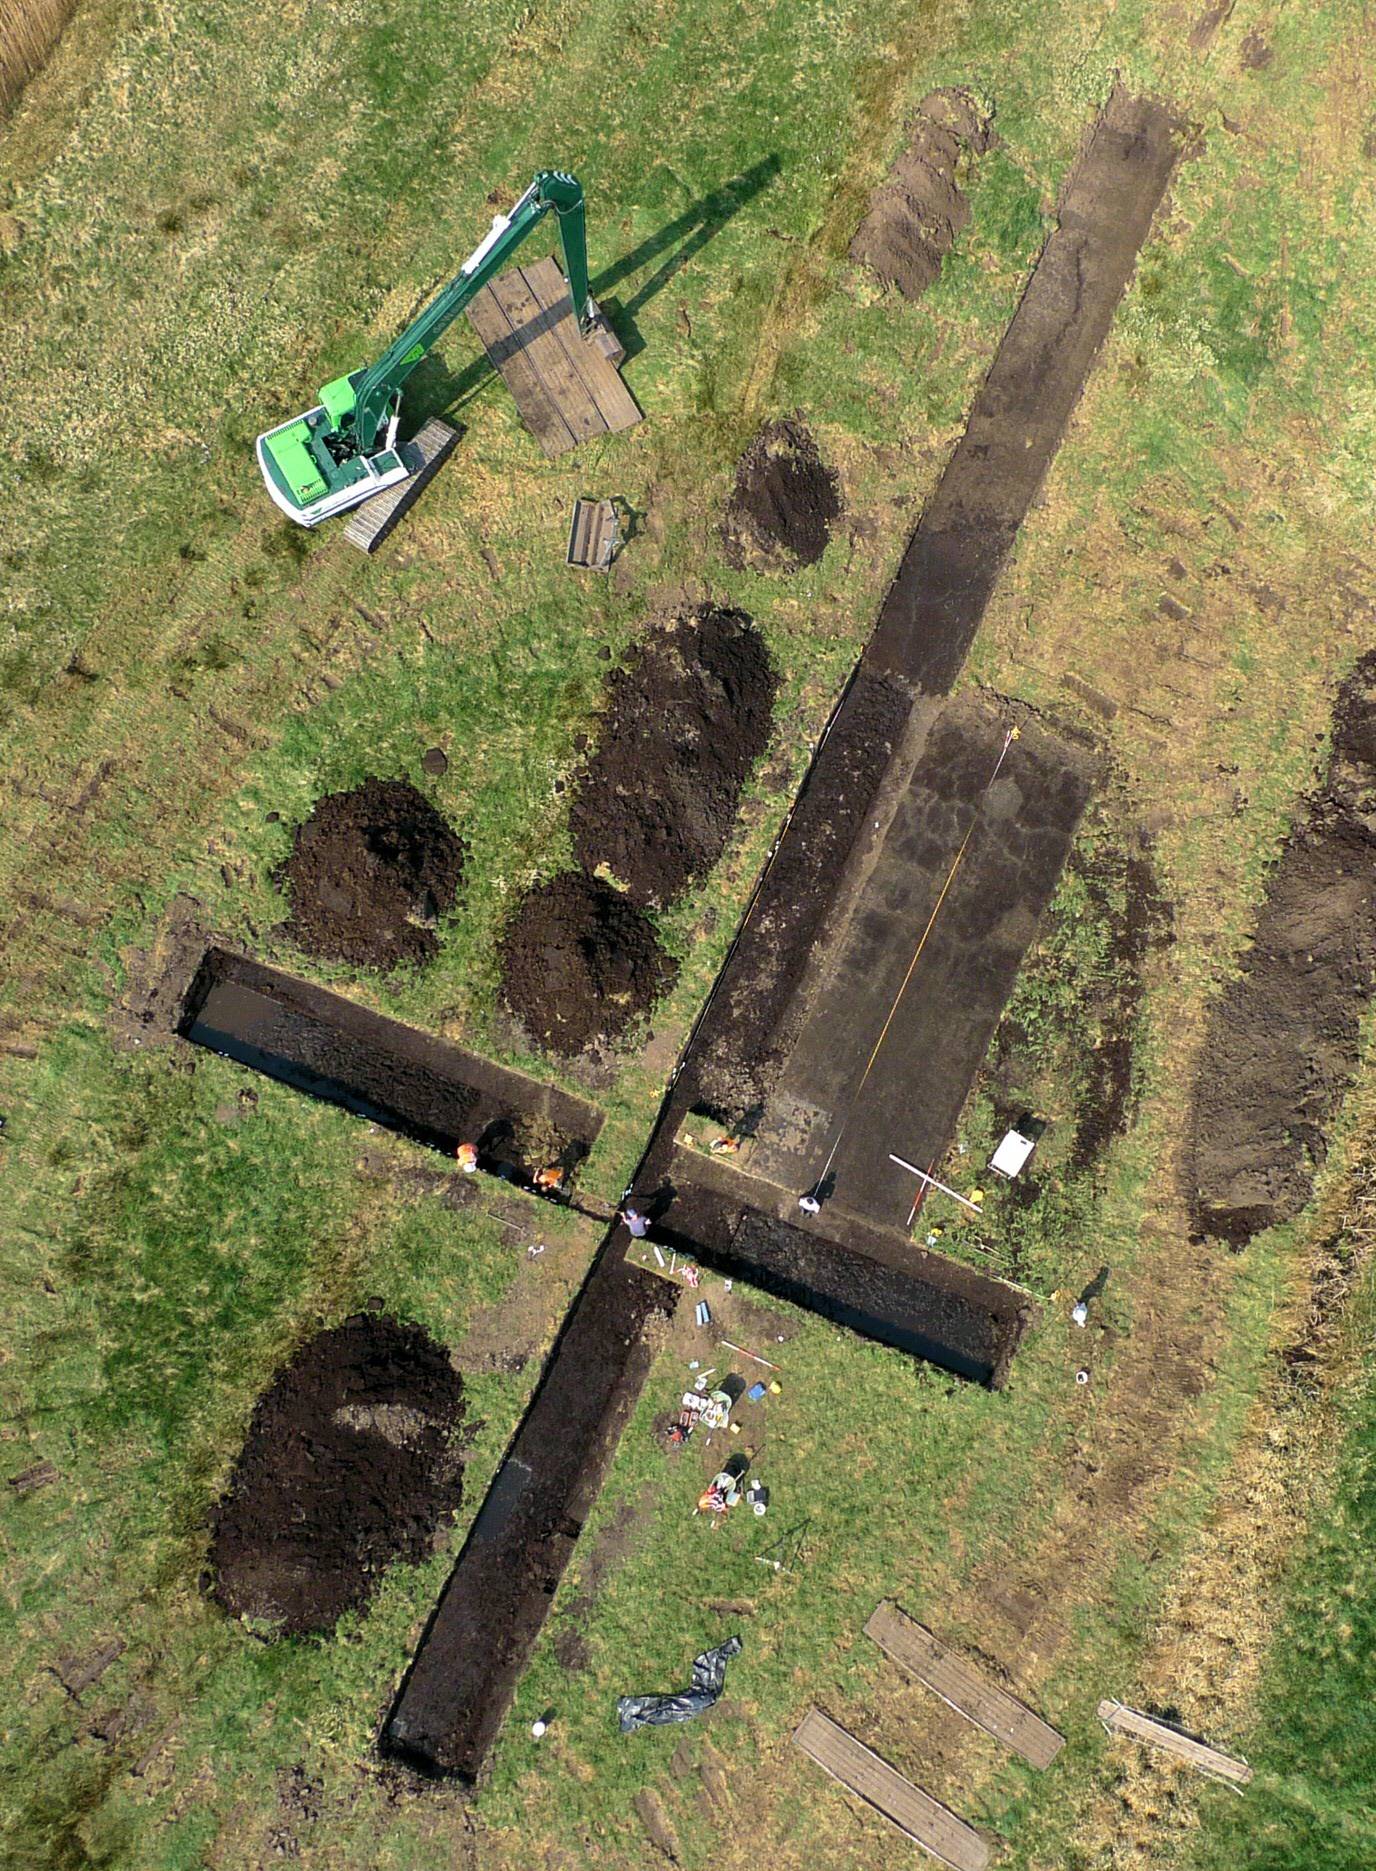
376	390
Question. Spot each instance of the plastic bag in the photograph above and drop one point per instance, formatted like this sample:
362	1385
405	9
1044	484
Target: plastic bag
709	1679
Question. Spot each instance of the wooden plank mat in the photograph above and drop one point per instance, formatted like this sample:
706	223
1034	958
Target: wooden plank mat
930	1824
566	389
968	1690
1156	1734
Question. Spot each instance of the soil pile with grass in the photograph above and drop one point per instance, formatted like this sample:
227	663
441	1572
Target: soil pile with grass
784	504
684	725
1283	1042
348	1467
580	962
915	215
370	874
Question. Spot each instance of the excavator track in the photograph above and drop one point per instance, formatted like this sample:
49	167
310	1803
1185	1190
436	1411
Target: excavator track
424	455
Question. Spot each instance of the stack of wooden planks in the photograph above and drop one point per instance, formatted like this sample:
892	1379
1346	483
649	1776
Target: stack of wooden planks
565	385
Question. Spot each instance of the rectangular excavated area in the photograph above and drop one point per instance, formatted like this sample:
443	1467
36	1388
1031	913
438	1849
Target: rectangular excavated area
426	1088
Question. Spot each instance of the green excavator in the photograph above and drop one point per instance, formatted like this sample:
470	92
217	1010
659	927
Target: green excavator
345	450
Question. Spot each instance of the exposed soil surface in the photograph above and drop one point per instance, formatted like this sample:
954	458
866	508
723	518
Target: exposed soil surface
427	1088
925	949
784	504
873	1281
915	216
685	722
968	527
745	1029
480	1638
580	962
1283	1041
349	1465
371	872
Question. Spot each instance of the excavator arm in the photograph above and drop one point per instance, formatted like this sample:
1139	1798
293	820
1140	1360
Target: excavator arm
375	390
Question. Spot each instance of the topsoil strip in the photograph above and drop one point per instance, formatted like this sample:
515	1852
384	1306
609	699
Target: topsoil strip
967	530
325	1045
483	1630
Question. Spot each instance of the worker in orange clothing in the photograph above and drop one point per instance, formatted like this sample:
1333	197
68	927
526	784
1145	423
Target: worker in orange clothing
467	1154
725	1146
550	1179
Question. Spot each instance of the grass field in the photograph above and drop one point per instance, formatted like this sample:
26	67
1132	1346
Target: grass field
203	216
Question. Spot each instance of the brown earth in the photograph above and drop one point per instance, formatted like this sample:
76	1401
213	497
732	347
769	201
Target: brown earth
953	562
685	723
915	216
580	962
370	873
784	503
348	1466
744	1028
1283	1041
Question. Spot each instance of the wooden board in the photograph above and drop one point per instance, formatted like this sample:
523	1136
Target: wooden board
925	1820
968	1690
425	455
565	386
1156	1734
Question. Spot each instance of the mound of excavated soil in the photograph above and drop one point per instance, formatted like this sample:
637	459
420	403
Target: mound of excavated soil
916	214
348	1466
580	962
684	725
784	504
370	873
1283	1041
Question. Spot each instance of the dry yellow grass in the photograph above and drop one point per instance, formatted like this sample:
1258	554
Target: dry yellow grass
29	29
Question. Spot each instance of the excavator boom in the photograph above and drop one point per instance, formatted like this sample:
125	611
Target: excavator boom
344	451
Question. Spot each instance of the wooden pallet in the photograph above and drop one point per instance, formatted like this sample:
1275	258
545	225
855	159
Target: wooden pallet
566	387
424	455
968	1690
593	535
926	1821
1157	1734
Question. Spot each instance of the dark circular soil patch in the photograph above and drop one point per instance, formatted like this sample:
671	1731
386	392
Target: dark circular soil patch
784	504
580	962
684	725
370	873
348	1466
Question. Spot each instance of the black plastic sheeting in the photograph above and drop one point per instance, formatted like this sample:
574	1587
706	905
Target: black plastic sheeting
709	1679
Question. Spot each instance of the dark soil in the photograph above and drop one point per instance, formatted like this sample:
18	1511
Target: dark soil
479	1641
685	723
349	1466
427	1088
1283	1041
915	216
968	527
784	504
745	1029
873	1281
370	874
580	963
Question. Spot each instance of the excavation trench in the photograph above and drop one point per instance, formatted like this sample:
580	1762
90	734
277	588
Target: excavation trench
478	1641
426	1088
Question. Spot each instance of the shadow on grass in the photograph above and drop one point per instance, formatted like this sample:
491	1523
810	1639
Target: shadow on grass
435	390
